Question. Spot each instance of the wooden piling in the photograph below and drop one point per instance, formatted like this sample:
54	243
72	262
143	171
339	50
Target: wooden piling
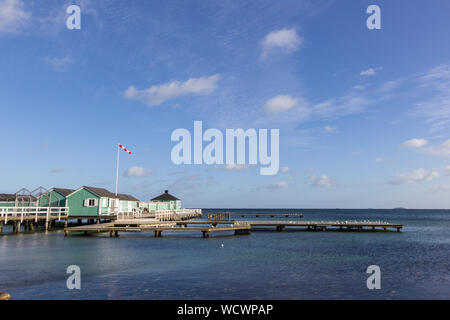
5	296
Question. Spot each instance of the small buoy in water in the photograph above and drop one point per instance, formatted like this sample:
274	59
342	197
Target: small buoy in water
222	245
5	296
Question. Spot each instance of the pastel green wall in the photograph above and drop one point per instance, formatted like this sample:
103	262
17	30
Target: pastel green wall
56	199
75	202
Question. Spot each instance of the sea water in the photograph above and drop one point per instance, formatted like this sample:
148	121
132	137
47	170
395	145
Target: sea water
266	264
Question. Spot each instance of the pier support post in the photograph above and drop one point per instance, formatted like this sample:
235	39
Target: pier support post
66	233
17	227
98	221
398	229
111	233
47	225
80	221
116	233
66	223
359	228
1	227
324	228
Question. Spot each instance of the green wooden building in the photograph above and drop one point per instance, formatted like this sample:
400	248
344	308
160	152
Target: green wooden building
92	202
165	201
128	203
55	197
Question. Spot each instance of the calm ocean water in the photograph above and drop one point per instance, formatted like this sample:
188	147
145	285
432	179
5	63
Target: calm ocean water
414	264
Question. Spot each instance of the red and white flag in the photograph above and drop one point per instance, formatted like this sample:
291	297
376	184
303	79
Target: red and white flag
125	149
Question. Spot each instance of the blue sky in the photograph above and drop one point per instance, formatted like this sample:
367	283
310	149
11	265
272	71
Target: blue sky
364	115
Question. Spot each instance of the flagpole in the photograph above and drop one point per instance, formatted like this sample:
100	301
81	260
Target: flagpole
117	170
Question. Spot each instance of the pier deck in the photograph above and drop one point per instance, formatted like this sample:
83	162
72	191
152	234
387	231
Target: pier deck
154	226
309	225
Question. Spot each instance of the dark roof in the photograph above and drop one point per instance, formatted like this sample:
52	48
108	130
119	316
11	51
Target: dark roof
64	192
101	192
127	197
166	196
12	197
7	197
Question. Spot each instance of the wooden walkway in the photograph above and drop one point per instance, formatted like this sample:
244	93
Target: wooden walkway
157	227
309	225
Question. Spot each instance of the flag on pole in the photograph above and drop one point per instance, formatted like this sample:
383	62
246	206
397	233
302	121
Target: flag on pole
121	146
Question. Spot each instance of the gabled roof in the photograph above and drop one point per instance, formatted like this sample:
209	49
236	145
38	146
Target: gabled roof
64	192
7	197
101	192
166	196
127	197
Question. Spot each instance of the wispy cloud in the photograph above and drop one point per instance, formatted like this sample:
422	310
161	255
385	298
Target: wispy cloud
58	64
414	143
137	172
322	181
435	109
370	72
284	169
280	103
13	16
157	94
234	167
330	129
286	40
278	185
418	175
57	170
442	150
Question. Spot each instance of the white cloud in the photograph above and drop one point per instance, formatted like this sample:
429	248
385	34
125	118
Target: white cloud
278	185
442	187
137	172
285	39
13	16
446	169
234	167
435	109
284	169
322	181
369	72
414	143
58	64
155	95
442	150
418	175
344	105
330	129
280	103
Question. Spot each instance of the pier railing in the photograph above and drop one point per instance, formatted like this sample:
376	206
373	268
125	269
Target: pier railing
176	215
43	213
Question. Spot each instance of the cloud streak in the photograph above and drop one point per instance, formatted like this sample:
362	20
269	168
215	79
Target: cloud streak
157	94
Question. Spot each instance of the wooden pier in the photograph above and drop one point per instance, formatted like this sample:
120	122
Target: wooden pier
239	227
30	217
151	225
308	225
226	215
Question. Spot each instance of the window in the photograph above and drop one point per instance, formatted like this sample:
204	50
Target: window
90	202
